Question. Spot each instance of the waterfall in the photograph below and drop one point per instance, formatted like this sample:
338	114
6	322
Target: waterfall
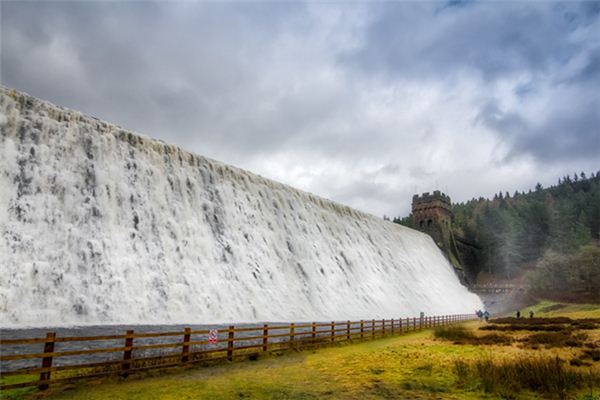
100	225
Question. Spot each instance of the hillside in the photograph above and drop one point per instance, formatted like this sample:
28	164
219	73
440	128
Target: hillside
556	229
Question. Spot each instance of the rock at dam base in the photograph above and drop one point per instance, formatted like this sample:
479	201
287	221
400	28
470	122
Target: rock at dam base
100	225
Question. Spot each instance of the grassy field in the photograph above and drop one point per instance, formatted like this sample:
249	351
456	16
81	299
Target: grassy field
412	366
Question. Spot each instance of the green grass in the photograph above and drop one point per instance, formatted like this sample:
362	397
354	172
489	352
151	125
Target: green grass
409	366
18	393
413	366
547	308
548	376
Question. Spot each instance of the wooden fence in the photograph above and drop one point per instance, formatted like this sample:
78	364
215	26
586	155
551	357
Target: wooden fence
192	346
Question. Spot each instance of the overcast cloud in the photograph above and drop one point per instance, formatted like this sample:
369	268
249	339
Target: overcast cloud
364	104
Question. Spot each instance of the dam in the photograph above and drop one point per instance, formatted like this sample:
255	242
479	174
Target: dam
100	225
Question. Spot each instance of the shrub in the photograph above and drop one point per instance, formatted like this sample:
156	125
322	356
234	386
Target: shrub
594	354
525	327
532	321
556	339
456	333
493	338
460	335
462	370
543	375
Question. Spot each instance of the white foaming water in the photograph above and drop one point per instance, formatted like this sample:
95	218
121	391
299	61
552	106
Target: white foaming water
99	225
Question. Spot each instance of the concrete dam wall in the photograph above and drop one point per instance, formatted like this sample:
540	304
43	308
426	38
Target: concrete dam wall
99	225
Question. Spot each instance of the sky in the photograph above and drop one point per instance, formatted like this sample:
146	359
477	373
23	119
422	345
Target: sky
364	103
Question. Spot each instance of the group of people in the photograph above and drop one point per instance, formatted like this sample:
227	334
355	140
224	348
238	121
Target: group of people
531	314
486	315
483	315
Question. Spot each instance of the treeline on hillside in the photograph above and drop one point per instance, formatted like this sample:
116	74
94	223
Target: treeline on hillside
555	228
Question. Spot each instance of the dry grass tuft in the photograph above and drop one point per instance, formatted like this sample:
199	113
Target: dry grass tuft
460	335
549	376
556	339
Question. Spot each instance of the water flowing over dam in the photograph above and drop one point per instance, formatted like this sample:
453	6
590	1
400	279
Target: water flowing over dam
99	225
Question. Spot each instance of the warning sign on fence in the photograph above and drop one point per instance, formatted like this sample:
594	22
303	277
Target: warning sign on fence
213	335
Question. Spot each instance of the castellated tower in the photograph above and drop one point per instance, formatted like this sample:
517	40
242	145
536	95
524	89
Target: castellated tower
432	213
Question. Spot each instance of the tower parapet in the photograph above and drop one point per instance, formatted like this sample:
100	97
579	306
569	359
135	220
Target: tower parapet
432	212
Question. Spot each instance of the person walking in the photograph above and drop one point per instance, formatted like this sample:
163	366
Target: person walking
518	313
486	315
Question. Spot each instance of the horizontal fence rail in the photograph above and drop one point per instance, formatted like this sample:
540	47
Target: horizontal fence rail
132	352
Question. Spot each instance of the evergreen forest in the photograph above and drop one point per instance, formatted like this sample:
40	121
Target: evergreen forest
550	235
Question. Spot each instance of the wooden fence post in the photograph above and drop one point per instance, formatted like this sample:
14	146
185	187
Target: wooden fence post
333	331
362	330
230	343
127	353
185	351
47	361
392	326
313	333
415	323
373	328
383	327
265	344
292	334
400	327
348	330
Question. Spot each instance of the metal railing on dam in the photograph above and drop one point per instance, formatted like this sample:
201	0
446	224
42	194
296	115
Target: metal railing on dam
53	359
497	288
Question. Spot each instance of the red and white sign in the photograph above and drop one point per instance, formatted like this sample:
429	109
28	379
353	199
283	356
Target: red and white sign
213	336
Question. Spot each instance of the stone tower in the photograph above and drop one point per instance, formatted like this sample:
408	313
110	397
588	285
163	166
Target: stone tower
432	213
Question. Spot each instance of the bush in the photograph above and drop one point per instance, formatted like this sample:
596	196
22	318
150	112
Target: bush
576	273
543	375
594	354
526	327
456	333
460	335
531	321
556	339
493	338
462	370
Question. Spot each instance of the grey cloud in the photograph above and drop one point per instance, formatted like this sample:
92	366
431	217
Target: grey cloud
496	42
185	67
382	99
491	39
